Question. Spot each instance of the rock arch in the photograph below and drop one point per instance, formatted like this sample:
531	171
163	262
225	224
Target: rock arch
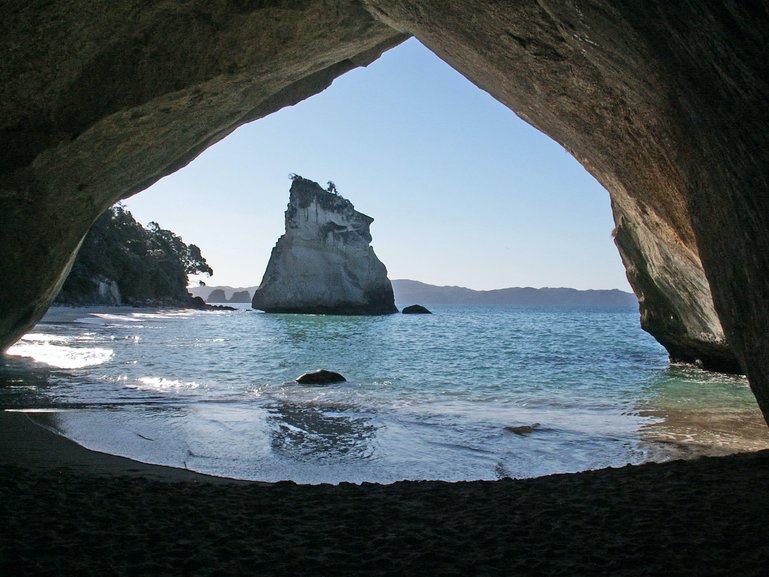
664	103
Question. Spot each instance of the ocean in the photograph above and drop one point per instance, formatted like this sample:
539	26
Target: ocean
427	396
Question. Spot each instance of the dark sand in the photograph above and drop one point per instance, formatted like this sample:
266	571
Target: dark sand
69	511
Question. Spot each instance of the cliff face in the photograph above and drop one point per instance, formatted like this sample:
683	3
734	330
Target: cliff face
324	262
96	290
673	293
663	102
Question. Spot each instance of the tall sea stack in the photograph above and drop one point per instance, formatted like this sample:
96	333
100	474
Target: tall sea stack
324	262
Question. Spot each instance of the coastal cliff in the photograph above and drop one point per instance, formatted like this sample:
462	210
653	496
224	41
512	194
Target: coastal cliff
324	263
122	262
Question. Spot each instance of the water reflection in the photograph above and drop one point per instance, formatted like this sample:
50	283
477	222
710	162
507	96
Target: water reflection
301	431
693	412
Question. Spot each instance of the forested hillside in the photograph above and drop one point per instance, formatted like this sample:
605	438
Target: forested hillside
122	262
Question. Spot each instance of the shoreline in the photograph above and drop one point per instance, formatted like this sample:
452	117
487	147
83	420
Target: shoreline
71	511
35	446
71	313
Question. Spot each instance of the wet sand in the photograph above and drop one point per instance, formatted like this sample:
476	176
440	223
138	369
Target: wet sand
27	440
687	433
69	511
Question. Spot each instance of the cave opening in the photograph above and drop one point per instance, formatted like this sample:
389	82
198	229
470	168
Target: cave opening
450	181
664	103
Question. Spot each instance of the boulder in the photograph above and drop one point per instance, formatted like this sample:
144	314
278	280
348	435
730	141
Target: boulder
416	310
320	377
324	263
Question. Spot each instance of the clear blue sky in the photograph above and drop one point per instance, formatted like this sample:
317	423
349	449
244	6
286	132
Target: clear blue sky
462	191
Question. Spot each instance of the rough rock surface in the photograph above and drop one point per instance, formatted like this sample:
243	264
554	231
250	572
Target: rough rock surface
324	262
663	102
103	291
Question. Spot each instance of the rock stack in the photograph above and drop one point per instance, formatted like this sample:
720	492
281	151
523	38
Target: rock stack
324	262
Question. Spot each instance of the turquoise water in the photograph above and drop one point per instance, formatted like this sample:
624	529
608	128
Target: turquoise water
427	397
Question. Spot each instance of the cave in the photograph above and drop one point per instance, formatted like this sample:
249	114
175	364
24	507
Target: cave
663	103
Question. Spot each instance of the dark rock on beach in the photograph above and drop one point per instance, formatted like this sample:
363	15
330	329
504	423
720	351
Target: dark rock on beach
416	310
320	377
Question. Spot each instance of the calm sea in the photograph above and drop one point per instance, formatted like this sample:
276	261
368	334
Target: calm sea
426	397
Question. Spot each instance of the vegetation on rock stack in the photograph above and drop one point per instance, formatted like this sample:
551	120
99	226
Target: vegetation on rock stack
122	261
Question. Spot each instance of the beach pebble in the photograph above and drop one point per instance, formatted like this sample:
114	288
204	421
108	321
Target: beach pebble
320	377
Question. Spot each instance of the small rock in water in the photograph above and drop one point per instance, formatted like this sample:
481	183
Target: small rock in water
416	310
523	430
320	377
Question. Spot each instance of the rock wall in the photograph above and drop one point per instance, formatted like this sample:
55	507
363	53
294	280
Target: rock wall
673	294
663	102
102	291
324	263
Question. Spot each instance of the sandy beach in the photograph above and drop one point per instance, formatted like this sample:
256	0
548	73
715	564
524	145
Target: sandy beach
70	511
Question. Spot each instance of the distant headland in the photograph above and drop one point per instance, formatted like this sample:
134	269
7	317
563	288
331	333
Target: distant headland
412	291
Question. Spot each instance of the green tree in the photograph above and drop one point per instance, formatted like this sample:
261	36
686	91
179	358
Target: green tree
195	263
146	263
